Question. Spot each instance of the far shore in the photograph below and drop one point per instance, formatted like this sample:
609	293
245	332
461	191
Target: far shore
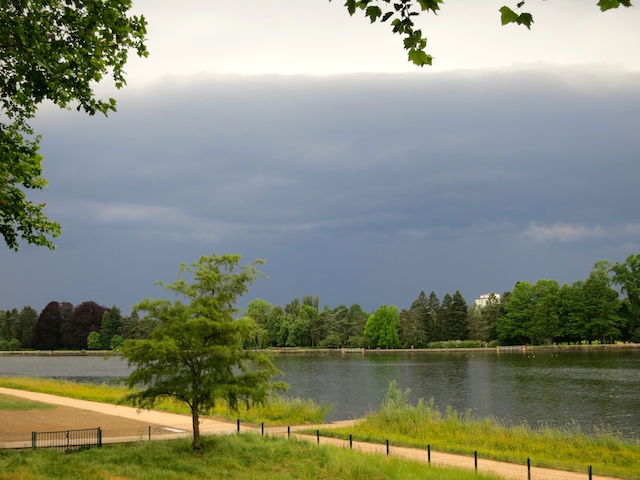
361	351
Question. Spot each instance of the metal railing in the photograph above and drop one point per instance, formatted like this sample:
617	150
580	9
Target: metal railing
68	440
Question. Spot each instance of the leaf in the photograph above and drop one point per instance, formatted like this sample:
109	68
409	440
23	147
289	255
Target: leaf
420	58
525	19
609	4
351	6
430	5
508	16
373	12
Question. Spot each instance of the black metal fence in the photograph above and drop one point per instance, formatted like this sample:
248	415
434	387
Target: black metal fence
68	440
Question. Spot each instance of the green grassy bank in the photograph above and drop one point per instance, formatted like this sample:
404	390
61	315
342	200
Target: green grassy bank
241	457
11	403
564	449
279	410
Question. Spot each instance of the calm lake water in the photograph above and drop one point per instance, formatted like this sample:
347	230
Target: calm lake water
542	387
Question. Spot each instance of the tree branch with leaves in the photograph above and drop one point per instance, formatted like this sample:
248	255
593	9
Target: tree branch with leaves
55	51
400	14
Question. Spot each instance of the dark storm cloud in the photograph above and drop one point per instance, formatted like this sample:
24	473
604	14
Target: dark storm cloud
461	180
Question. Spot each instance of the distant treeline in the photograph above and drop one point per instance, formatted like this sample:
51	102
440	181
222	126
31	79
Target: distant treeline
61	326
604	308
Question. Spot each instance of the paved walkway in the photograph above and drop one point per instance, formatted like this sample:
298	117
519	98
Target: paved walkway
182	425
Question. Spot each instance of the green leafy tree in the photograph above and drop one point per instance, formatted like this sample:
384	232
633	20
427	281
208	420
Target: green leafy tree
401	15
599	307
544	326
9	326
14	345
627	276
571	316
94	341
194	355
358	319
382	327
512	326
52	51
532	313
116	342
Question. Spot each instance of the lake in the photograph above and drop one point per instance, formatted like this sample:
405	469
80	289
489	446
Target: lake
541	387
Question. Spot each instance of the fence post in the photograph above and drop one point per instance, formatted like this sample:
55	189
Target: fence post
33	439
528	469
350	441
149	432
263	429
428	453
238	425
387	447
475	460
99	437
590	472
318	436
288	432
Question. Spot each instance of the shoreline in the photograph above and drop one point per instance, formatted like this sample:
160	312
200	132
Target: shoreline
344	351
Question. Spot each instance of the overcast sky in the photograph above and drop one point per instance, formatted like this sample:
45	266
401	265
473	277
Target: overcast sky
288	131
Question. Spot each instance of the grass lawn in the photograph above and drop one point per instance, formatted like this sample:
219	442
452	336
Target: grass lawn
12	403
241	457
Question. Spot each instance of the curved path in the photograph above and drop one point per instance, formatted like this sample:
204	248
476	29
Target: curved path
180	425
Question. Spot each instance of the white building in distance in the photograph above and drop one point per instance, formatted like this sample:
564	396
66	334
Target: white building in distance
486	299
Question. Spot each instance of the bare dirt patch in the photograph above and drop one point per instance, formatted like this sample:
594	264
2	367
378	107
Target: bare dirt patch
17	425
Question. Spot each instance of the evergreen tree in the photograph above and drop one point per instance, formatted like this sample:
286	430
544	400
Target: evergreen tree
445	318
433	327
27	320
458	318
110	326
413	323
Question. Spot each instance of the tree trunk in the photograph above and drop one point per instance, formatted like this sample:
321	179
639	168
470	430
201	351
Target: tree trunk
195	418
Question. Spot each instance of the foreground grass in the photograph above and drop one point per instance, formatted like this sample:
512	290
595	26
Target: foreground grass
423	424
279	411
242	457
11	403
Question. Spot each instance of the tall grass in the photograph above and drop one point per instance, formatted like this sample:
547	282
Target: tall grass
452	431
233	457
277	411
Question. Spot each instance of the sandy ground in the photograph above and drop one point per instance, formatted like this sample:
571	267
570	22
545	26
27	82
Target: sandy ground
17	425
